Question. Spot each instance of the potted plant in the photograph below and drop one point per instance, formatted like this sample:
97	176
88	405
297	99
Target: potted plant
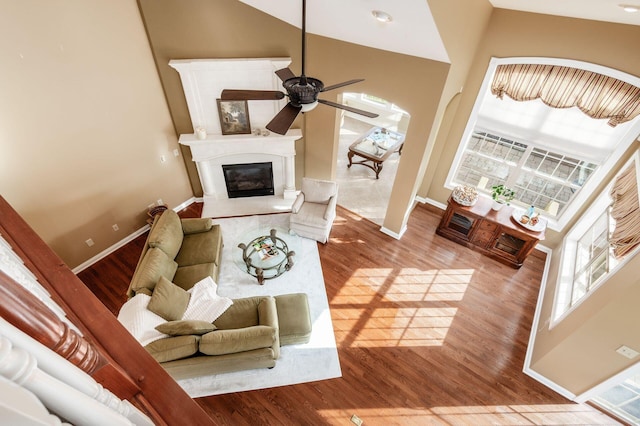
501	195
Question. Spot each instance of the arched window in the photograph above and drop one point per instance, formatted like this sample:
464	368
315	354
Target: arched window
552	157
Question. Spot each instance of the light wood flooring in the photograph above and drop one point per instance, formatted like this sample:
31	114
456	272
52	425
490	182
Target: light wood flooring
428	332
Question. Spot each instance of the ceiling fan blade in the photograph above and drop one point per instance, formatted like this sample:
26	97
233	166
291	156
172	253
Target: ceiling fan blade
348	108
285	74
345	83
251	95
283	120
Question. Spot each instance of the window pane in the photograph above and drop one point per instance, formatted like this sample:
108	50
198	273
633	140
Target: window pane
543	177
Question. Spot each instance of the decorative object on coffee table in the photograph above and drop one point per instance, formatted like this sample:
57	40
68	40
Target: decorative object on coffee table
267	256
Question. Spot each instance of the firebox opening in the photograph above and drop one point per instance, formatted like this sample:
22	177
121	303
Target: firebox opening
248	180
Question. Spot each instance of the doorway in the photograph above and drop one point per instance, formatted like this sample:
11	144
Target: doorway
360	191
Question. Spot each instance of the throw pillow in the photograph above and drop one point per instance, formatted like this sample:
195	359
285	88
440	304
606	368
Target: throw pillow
139	321
183	328
168	300
205	304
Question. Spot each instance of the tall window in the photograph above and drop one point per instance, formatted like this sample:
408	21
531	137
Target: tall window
545	179
588	255
594	258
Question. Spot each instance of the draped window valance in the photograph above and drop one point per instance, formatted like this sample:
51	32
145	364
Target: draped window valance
597	95
625	210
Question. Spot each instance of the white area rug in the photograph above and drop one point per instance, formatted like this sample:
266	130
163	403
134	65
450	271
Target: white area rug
316	360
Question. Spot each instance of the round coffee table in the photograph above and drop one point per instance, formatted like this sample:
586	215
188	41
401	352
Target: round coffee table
267	256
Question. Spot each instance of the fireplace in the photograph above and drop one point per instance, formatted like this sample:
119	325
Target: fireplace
248	180
203	80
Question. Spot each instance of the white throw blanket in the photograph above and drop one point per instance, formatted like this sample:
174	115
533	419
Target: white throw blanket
204	304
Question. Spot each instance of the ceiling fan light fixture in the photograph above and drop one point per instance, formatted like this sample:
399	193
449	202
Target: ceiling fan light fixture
630	8
308	107
381	16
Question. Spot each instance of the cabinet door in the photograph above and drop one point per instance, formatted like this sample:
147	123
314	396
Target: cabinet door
461	224
485	233
509	246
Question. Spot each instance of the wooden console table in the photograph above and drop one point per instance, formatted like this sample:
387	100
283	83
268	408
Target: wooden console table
493	233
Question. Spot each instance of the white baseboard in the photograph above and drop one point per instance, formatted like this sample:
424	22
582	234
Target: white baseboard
392	234
106	252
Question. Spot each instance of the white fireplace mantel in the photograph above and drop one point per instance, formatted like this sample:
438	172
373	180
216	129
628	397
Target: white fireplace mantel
203	81
212	153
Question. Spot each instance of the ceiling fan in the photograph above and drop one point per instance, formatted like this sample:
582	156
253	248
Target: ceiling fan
302	92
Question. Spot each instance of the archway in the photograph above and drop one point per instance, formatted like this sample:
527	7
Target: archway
360	190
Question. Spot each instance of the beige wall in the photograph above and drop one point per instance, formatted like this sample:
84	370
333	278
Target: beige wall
581	351
83	123
420	86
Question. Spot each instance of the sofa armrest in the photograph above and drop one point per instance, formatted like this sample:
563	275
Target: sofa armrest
331	207
268	315
295	208
196	225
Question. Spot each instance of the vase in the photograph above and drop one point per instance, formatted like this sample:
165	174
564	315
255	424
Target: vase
497	205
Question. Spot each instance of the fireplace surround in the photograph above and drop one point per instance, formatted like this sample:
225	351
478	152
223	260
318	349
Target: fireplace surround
202	81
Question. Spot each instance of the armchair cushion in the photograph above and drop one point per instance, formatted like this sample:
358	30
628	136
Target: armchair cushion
318	191
314	211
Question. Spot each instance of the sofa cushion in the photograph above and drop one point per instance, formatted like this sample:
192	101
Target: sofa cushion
222	342
200	247
168	300
205	304
172	348
195	225
185	327
187	276
167	234
154	264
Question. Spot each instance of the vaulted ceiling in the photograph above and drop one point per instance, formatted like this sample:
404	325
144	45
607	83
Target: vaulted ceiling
412	30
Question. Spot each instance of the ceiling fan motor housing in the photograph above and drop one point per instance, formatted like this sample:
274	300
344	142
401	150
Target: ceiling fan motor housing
303	90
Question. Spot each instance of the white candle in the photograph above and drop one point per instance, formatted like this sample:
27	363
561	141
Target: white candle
201	133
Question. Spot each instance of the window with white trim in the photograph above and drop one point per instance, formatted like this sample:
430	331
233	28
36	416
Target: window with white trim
552	158
588	257
547	180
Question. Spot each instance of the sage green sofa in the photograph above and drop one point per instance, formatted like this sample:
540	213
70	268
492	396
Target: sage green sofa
181	253
182	250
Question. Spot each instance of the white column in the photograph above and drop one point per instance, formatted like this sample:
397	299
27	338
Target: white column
290	178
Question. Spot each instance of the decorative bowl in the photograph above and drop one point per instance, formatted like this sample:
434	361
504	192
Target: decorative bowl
465	195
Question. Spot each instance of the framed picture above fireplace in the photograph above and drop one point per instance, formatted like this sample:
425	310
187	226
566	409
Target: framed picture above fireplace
234	117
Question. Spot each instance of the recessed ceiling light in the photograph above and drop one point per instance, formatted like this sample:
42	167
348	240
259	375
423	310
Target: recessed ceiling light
630	8
381	16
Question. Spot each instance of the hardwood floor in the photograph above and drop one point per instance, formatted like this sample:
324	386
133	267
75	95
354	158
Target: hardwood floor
428	332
